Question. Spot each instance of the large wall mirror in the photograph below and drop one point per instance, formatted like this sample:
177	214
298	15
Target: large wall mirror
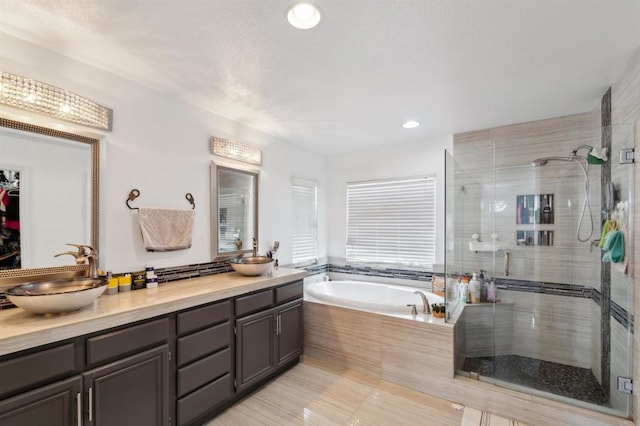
234	210
48	197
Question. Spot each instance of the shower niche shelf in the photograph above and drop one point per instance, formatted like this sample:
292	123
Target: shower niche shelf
534	209
534	237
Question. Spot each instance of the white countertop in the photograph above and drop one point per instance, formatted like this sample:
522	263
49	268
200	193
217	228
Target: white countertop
21	330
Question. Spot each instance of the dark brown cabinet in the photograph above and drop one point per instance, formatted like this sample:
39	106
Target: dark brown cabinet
174	369
266	341
58	404
203	361
289	333
255	348
134	391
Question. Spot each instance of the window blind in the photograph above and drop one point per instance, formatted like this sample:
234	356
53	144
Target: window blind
305	224
232	219
392	221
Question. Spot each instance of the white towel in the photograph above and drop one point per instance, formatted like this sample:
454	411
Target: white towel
166	229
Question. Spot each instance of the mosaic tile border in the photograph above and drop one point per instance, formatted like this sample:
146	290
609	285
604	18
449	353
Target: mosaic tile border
543	287
175	273
619	313
406	274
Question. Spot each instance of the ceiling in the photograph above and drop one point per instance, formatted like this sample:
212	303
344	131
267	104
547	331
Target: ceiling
348	84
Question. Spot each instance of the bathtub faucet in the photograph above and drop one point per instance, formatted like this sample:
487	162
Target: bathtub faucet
426	309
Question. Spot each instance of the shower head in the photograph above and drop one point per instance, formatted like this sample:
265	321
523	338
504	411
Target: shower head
538	162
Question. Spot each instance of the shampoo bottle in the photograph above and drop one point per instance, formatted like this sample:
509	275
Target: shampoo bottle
464	289
475	287
492	292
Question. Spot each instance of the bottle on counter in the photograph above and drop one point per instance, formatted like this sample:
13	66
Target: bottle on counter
464	289
475	288
124	283
112	286
492	292
485	286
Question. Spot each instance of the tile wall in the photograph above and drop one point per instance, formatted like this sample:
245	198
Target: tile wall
555	328
420	356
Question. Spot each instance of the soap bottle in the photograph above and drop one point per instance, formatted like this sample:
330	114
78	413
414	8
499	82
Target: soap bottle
492	292
485	285
464	289
475	286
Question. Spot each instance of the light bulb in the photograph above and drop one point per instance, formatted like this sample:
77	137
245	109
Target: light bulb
304	16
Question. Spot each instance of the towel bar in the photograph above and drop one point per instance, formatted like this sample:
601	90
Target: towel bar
134	193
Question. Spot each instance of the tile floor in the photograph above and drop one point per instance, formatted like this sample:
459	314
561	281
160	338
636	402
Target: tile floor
311	393
565	380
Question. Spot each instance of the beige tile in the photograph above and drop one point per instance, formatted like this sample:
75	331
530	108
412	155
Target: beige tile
255	411
344	335
386	407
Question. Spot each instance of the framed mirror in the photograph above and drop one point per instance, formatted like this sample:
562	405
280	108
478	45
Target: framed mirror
51	184
234	210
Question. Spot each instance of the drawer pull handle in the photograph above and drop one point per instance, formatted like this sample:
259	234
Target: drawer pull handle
79	408
90	404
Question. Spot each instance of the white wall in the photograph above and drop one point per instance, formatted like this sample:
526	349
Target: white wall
411	159
160	146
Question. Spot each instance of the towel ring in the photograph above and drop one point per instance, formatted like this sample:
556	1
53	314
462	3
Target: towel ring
134	193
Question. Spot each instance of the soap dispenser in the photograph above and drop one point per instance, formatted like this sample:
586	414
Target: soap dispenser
464	289
492	292
475	287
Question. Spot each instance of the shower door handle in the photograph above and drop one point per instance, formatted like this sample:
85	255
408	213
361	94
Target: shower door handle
506	263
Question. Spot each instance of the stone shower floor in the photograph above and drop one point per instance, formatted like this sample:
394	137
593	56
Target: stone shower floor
572	382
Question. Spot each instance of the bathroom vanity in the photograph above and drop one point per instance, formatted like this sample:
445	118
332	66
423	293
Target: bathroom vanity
178	354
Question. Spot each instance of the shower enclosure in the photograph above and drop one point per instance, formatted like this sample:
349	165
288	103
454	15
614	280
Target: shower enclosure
525	206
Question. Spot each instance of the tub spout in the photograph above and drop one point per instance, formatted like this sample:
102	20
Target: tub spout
426	309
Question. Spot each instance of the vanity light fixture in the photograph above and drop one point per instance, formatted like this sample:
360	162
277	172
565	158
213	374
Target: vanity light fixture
411	124
304	16
35	96
236	150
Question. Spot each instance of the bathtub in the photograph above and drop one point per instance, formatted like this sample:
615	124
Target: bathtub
367	296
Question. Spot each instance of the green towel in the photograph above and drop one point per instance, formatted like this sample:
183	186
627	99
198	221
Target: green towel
614	247
605	230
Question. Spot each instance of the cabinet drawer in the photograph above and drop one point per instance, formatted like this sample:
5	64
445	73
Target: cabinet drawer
204	399
202	317
200	372
254	302
122	342
203	342
289	292
37	368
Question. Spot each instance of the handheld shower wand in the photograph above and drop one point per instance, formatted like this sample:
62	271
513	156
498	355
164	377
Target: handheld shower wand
586	205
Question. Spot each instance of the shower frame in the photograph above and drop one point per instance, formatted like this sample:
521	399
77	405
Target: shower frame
484	182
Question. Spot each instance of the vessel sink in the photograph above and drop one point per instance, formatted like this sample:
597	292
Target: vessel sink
56	296
251	266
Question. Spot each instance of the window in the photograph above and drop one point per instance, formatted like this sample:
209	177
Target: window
305	222
392	221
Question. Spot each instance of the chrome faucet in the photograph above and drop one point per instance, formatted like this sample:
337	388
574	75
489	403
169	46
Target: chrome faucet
426	309
83	257
255	246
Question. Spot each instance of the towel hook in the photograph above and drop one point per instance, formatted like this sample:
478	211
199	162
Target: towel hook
190	199
133	194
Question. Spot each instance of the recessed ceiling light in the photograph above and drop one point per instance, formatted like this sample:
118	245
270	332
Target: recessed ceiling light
411	124
304	16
